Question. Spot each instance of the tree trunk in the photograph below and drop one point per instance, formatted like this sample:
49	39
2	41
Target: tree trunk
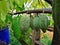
56	37
56	18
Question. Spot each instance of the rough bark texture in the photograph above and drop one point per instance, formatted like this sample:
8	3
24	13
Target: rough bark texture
56	17
56	37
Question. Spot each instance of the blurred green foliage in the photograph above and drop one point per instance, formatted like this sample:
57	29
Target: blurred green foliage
4	9
13	39
14	22
16	26
46	40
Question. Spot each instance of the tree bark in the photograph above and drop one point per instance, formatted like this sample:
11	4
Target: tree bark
56	18
56	37
46	10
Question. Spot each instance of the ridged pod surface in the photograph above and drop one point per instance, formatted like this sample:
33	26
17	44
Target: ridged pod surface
36	23
25	22
43	22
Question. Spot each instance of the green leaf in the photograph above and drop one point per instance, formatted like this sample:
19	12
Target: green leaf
20	2
4	6
4	9
8	18
16	27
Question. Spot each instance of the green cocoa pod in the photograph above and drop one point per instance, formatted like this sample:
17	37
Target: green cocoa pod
36	23
43	22
25	22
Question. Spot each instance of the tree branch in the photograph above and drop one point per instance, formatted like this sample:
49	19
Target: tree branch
51	29
44	10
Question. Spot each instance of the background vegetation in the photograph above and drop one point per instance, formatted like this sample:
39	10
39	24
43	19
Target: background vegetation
16	34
